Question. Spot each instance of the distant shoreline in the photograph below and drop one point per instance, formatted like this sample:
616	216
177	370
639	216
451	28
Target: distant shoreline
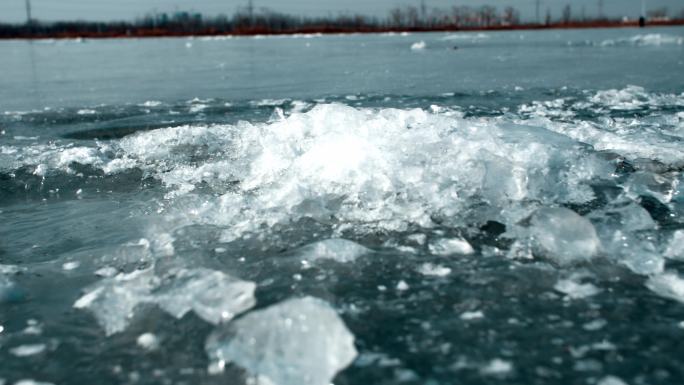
324	30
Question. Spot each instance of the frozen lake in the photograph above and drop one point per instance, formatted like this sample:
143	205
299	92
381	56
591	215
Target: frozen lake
441	208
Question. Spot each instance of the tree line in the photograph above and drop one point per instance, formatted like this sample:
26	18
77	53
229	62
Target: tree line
265	21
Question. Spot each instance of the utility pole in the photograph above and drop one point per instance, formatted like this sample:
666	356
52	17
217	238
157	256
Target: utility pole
250	11
423	11
28	12
537	4
600	9
642	18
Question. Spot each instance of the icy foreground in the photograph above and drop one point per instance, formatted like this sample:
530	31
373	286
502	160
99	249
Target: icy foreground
417	223
296	342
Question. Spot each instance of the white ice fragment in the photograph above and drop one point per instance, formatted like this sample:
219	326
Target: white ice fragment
576	290
28	350
113	300
430	269
564	236
637	254
669	285
450	246
148	341
675	249
417	238
594	325
611	380
472	315
296	342
72	265
213	295
340	250
418	46
162	245
31	382
402	285
634	218
106	271
497	367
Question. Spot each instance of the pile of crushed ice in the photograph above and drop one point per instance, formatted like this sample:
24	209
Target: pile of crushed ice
563	189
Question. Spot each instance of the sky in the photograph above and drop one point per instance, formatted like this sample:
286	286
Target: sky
15	11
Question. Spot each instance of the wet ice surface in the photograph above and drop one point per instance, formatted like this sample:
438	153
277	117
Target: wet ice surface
515	235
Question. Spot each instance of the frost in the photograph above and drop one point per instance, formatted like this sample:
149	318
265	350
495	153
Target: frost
340	250
214	296
450	247
295	342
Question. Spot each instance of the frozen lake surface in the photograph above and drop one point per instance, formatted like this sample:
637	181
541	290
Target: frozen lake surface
443	208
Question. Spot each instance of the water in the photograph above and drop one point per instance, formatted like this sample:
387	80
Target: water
464	208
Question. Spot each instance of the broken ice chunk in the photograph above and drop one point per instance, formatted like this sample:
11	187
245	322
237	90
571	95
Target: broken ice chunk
212	295
28	350
296	342
563	236
340	250
675	249
648	183
472	315
450	246
611	380
148	341
497	367
113	300
9	291
434	270
639	255
669	285
575	289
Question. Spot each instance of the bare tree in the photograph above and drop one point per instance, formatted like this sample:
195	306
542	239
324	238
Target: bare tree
396	17
548	16
412	16
567	14
658	13
511	16
487	15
